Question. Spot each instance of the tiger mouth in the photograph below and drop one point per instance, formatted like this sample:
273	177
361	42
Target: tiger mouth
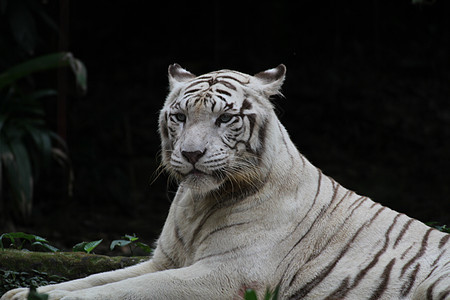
196	172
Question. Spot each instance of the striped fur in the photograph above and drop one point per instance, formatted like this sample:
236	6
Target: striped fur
252	212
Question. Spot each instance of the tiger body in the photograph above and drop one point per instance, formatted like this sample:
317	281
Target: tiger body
252	212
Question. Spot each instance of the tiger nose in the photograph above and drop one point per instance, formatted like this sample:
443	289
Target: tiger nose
193	156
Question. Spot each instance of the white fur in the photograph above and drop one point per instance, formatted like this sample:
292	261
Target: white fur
292	226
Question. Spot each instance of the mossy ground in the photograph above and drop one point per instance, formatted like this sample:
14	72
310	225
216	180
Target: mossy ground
22	268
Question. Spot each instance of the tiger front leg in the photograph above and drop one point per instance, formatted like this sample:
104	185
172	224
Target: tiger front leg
193	282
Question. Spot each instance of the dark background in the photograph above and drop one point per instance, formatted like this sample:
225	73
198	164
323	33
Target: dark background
367	100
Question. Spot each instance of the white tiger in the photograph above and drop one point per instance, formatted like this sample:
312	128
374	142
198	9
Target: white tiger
252	212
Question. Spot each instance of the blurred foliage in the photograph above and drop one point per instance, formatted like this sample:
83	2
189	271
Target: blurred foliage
440	227
21	22
26	144
250	294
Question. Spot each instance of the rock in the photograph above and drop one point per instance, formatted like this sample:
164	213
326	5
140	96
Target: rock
66	264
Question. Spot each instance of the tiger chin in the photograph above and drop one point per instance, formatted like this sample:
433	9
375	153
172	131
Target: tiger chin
251	211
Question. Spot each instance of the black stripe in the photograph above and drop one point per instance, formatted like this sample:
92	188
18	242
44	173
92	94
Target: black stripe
356	201
232	78
341	291
384	283
431	287
431	272
195	83
319	181
402	232
178	235
245	105
191	91
223	228
438	258
406	288
363	272
361	200
223	92
220	97
172	262
406	252
227	84
205	77
336	189
303	159
284	140
213	104
444	294
322	211
199	227
163	127
219	254
373	205
228	141
262	132
347	194
304	290
252	120
312	257
444	240
419	253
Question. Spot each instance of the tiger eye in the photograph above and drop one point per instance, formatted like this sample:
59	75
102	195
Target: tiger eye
180	117
225	118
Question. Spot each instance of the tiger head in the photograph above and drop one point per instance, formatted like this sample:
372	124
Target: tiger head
214	127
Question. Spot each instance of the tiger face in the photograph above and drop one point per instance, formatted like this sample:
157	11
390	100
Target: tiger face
213	126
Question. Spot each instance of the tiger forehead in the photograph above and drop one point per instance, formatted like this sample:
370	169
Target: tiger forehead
219	81
216	91
211	102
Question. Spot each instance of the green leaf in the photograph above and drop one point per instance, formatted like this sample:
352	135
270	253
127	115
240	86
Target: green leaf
5	235
14	237
86	246
34	295
42	142
272	295
46	246
80	72
43	93
144	247
439	227
92	245
79	247
40	239
131	238
17	169
250	295
46	62
20	235
20	176
118	243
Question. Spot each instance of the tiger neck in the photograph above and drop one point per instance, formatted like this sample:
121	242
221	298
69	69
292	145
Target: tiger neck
279	169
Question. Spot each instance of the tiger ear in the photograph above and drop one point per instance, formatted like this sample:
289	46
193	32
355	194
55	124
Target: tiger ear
271	80
178	75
